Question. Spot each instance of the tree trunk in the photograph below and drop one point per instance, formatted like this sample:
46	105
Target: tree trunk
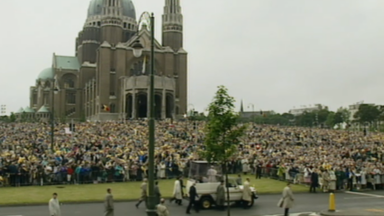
225	166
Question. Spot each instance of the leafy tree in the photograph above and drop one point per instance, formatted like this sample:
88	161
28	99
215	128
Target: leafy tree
330	122
367	113
338	118
306	119
322	115
345	113
222	132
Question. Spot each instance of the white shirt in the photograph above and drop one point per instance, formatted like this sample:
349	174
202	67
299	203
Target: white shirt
54	207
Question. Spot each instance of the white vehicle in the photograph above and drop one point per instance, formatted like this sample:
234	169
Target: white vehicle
207	190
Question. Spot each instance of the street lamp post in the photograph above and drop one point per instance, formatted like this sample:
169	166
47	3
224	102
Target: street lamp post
151	208
151	202
54	91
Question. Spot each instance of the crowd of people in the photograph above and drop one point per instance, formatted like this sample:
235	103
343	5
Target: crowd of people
117	151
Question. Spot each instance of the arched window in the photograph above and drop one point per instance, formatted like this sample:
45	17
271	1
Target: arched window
69	83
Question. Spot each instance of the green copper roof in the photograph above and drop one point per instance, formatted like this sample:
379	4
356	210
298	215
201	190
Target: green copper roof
67	62
46	74
29	110
43	109
96	6
21	110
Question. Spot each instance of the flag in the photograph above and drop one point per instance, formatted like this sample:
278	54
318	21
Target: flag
57	86
105	108
67	131
144	63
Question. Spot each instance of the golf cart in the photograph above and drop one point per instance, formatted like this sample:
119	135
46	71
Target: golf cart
206	190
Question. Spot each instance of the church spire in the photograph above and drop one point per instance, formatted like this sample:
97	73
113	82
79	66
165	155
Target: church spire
172	25
241	106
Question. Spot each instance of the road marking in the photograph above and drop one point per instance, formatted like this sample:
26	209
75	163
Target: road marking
298	214
375	210
361	197
364	194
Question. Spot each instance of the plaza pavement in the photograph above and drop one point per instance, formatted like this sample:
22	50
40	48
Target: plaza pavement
305	205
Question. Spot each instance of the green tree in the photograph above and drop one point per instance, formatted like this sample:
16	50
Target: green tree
222	132
306	119
367	113
345	113
12	117
338	118
330	122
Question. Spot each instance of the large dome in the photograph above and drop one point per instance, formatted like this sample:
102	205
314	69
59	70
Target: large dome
96	5
46	74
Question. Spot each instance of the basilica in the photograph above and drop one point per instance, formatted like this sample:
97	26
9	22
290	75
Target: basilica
105	79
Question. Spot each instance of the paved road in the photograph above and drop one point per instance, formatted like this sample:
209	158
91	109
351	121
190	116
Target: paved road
265	205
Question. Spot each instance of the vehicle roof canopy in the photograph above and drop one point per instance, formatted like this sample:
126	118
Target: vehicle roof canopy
199	169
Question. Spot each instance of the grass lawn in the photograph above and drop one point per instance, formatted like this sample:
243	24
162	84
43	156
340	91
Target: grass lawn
121	191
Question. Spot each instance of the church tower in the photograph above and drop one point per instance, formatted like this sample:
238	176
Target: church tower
172	25
112	23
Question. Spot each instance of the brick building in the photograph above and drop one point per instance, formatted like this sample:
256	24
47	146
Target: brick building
105	80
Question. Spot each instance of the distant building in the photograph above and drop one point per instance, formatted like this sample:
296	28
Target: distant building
253	114
302	109
105	79
354	108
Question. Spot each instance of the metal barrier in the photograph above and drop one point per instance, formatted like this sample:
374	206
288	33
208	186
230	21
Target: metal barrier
89	176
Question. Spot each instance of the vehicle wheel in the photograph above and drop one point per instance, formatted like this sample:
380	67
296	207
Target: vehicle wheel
206	202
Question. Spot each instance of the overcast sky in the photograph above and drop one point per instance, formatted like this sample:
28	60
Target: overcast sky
275	54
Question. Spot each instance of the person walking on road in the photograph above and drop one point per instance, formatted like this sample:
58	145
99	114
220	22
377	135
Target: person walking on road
157	193
220	196
286	201
108	203
54	206
143	193
247	193
177	192
161	209
192	199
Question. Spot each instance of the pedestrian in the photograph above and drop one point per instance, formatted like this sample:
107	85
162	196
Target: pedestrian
332	181
54	206
108	203
314	181
143	197
161	209
239	180
177	192
211	173
259	168
286	202
192	199
157	193
220	196
247	193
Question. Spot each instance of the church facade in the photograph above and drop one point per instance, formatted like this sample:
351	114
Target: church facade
105	80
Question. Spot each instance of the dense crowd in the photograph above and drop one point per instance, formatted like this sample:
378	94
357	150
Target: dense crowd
117	151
